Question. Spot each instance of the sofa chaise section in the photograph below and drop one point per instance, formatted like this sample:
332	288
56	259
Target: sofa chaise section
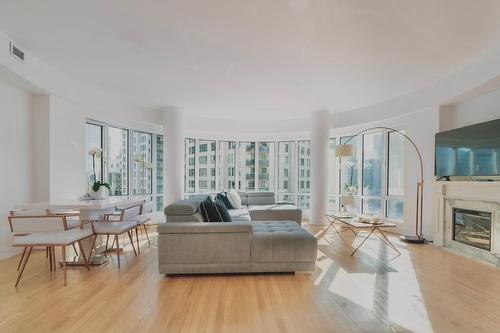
199	247
235	247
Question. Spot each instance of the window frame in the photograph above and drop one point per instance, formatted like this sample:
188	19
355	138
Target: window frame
150	157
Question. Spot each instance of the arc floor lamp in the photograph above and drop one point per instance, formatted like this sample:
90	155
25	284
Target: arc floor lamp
346	150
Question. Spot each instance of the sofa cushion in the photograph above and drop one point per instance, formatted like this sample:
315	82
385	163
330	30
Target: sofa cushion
214	211
282	241
240	215
184	207
223	197
234	198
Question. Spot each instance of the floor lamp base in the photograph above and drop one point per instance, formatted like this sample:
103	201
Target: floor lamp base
412	239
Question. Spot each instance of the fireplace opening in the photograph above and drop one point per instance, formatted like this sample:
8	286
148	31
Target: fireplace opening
472	227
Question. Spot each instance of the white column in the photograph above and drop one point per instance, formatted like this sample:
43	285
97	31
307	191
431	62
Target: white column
173	131
320	126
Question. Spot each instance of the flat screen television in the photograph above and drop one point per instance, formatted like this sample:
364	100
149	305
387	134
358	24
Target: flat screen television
471	151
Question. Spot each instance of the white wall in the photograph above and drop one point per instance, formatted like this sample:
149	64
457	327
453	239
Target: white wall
40	148
67	149
15	147
471	111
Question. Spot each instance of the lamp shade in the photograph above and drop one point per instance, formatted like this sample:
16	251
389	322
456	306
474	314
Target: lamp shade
344	150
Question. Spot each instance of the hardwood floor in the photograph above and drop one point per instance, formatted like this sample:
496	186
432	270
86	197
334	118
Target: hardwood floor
425	289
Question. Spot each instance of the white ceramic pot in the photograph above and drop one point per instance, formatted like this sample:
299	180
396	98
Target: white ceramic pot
102	193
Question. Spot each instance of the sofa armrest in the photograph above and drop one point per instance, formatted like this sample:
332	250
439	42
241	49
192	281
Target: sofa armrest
204	227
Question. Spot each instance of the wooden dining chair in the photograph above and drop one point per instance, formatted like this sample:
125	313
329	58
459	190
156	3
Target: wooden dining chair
47	231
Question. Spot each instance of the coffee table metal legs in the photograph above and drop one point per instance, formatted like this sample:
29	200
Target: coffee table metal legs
387	241
331	225
383	239
364	240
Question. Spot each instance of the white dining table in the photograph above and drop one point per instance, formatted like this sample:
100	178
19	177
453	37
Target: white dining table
89	210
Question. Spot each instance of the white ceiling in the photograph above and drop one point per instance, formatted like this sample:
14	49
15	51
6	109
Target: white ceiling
255	59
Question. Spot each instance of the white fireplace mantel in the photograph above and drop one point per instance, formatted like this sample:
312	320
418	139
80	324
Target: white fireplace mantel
476	195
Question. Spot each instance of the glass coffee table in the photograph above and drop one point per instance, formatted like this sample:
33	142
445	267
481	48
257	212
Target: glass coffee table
348	221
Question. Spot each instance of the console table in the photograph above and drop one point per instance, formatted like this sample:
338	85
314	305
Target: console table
353	225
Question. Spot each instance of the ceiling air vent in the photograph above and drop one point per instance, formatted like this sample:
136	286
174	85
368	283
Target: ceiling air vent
16	52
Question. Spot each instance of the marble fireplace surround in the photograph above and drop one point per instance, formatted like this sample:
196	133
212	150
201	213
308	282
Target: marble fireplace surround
474	195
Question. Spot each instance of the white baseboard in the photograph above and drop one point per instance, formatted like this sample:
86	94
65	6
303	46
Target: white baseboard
9	252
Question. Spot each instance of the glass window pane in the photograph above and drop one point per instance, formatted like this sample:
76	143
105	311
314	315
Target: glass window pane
227	165
159	172
118	160
266	166
189	165
332	174
142	168
286	175
206	166
349	168
159	164
303	201
159	203
286	198
396	168
372	164
395	209
372	206
93	140
246	167
304	172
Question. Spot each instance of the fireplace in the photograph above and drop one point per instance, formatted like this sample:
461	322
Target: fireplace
472	227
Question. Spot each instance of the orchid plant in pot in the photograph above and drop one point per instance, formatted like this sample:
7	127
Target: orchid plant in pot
100	189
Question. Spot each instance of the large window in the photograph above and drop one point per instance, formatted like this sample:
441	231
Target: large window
207	165
373	176
94	139
132	161
142	166
189	166
265	165
246	167
304	173
376	186
118	160
227	165
286	174
395	175
372	152
349	168
332	175
159	172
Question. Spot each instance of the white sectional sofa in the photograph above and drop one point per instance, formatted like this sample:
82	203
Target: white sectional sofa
187	245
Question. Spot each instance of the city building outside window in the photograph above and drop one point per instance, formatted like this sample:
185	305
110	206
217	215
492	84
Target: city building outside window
284	167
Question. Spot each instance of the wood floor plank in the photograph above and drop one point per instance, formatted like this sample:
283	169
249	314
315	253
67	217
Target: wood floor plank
426	289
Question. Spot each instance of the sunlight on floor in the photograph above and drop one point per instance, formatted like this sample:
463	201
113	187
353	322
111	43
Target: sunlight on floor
375	282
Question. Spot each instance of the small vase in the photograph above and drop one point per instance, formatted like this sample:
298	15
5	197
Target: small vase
102	193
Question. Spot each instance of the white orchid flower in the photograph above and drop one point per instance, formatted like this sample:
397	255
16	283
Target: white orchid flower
95	152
